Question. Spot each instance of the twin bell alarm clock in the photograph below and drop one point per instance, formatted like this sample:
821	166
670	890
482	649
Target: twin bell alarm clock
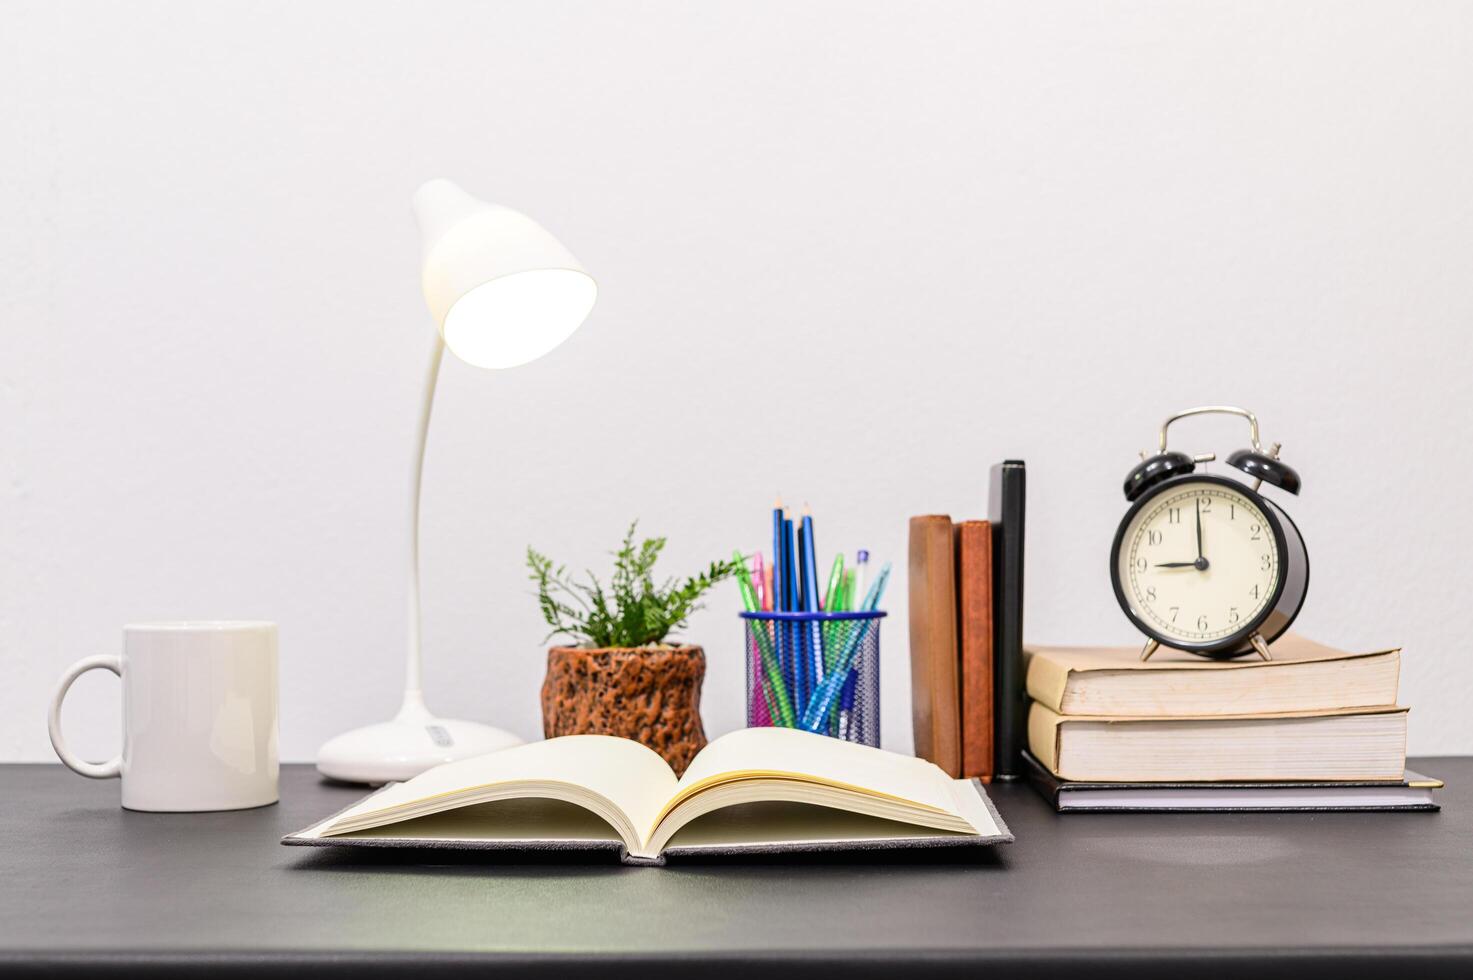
1205	563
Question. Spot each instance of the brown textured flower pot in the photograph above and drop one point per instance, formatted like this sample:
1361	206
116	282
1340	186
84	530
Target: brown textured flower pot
649	694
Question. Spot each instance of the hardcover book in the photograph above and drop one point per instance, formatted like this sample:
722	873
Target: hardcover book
1360	744
1412	792
760	790
1005	511
934	690
974	645
1302	677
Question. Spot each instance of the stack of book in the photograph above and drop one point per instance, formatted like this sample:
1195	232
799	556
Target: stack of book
1315	728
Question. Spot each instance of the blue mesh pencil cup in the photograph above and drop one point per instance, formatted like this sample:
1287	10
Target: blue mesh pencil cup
816	671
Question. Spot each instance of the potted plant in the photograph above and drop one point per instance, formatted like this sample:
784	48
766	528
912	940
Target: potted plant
622	677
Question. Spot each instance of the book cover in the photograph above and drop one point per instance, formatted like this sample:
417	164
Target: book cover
935	698
974	644
1353	744
1303	676
1414	792
1010	700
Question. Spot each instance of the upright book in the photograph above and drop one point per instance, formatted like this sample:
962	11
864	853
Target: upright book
762	790
1005	511
974	645
934	690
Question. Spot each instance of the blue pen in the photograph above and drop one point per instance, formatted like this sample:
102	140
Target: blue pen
779	595
817	708
810	597
846	706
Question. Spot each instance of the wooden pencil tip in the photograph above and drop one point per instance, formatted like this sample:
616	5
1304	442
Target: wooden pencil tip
806	511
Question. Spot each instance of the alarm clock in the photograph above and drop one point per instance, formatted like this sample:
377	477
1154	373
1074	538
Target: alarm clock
1204	563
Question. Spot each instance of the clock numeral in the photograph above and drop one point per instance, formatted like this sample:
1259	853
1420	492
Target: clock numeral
1255	592
1201	622
1233	612
1153	537
1267	561
1151	594
1140	564
1174	611
1254	530
1205	503
1173	515
1232	512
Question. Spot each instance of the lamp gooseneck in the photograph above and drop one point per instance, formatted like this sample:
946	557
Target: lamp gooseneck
413	707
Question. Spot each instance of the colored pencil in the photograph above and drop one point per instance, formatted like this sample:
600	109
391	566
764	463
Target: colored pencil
779	592
796	660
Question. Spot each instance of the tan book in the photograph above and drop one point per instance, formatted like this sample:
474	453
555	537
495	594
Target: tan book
935	717
974	645
1329	745
1304	676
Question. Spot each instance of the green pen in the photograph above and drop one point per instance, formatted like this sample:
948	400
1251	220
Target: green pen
836	582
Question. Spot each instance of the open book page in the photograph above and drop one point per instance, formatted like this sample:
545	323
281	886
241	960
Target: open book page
778	764
623	782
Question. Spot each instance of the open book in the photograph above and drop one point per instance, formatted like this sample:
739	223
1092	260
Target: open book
757	789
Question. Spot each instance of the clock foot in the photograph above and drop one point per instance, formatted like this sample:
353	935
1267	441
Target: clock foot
1151	647
1260	646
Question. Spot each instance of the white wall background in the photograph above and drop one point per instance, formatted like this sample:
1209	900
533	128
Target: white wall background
852	252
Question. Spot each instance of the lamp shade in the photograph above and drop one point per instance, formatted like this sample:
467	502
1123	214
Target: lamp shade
502	290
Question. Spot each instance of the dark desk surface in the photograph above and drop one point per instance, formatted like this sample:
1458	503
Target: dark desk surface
85	884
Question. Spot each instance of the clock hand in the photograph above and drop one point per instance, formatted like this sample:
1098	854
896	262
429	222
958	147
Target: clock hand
1199	529
1200	564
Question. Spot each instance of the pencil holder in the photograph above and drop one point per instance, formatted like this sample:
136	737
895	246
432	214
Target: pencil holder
816	671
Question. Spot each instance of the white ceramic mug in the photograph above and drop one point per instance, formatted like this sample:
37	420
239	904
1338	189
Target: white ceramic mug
199	716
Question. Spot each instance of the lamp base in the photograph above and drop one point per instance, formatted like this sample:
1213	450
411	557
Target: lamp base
405	747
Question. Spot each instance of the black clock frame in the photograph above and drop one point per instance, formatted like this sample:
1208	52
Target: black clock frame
1278	613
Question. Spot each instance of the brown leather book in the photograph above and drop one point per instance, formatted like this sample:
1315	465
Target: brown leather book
933	652
974	645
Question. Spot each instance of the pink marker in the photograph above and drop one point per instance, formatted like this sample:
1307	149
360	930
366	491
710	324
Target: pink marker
759	581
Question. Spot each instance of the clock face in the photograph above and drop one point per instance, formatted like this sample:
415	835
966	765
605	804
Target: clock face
1199	563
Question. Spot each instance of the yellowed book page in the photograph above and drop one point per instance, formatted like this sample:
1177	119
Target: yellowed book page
1287	649
1381	709
1043	736
752	753
631	777
1046	677
1044	727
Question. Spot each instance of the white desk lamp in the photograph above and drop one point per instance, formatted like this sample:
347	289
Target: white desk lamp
503	292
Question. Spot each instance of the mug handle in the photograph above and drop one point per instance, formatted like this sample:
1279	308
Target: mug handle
93	770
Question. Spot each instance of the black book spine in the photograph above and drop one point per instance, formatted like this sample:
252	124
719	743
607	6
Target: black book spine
1005	510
